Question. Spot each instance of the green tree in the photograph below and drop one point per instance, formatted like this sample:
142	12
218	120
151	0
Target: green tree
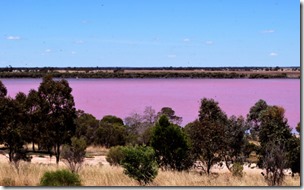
115	155
111	132
33	118
170	113
207	134
111	120
86	125
275	160
139	163
274	136
253	117
235	141
74	154
294	154
12	126
3	90
273	126
171	145
57	113
298	128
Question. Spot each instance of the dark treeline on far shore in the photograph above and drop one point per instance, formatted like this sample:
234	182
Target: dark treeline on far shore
151	72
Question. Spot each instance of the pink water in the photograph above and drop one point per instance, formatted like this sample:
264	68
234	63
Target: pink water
121	97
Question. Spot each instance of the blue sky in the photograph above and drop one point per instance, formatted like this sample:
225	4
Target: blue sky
147	33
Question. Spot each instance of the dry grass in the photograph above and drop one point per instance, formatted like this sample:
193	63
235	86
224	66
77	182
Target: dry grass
105	175
97	151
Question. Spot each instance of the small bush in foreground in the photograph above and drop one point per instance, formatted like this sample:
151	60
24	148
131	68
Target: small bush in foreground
115	155
139	163
60	178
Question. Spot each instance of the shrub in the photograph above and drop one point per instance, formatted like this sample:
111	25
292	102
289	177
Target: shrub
237	169
60	178
172	146
115	155
139	163
74	154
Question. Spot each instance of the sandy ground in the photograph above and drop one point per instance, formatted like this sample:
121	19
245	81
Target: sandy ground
101	160
97	160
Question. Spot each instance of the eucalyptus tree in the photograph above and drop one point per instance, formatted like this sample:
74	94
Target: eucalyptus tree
275	137
172	146
207	133
58	113
253	117
111	132
235	141
12	125
170	113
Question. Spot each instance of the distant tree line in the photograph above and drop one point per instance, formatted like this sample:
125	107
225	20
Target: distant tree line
117	74
47	118
154	72
49	69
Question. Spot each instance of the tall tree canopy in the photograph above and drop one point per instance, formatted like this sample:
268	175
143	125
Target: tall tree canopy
207	133
58	111
111	132
171	145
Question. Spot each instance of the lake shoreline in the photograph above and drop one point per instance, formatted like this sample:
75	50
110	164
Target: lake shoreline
151	73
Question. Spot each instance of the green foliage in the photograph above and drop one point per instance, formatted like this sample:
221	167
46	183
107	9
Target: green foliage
111	132
3	90
115	155
298	128
74	154
86	125
12	125
234	140
60	178
237	169
211	114
119	73
207	134
57	113
249	148
274	130
33	119
253	117
110	119
275	160
170	113
139	163
273	127
294	154
171	145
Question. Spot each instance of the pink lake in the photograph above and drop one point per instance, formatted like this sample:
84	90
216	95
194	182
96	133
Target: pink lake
121	97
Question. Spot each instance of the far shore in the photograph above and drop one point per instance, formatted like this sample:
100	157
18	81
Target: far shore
153	72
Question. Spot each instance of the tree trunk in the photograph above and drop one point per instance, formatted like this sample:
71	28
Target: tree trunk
57	153
208	166
33	146
227	164
10	155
